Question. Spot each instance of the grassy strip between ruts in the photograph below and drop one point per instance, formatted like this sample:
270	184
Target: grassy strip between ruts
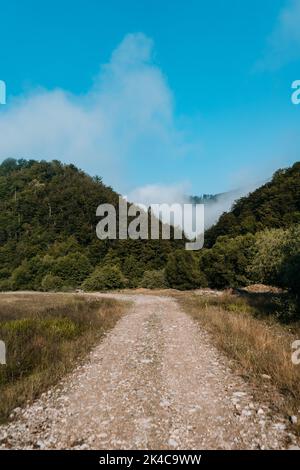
260	346
45	337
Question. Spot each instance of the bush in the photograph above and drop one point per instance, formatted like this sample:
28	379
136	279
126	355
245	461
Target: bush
267	256
4	274
72	268
182	271
132	271
154	279
29	275
51	283
226	263
22	277
104	278
64	247
276	258
289	273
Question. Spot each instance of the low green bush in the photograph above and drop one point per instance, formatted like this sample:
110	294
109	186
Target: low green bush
104	278
182	271
154	279
51	283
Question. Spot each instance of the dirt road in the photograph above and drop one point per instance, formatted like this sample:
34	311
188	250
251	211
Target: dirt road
156	381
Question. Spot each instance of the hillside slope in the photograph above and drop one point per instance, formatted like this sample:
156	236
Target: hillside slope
274	205
49	210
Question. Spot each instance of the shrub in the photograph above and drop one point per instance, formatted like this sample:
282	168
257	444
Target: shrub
72	268
154	279
276	261
5	285
182	271
276	258
30	273
4	274
267	256
51	283
22	277
104	278
64	247
226	263
132	271
289	273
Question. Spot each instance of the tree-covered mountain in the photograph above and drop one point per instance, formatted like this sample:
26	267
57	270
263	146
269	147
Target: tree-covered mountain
48	237
258	241
48	227
276	204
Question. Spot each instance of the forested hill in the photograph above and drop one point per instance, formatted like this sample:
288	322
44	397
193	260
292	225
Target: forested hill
41	201
273	205
47	225
48	237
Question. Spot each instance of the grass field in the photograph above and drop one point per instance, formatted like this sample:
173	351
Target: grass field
45	337
260	346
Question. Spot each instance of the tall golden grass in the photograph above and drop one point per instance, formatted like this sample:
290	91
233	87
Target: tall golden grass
259	346
45	337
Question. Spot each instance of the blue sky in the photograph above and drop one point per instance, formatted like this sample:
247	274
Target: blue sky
178	96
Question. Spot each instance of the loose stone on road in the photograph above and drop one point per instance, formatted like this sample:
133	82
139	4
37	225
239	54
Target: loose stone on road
155	381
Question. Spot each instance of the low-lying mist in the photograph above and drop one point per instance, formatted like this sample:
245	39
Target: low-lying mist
176	195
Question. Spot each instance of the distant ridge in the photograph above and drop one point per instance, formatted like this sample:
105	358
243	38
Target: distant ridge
273	205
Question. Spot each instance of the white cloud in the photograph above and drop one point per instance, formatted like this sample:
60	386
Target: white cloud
125	124
283	45
126	119
223	203
179	194
159	193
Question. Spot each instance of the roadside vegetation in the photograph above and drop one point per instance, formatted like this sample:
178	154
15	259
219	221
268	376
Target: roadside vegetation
48	240
48	244
45	337
244	327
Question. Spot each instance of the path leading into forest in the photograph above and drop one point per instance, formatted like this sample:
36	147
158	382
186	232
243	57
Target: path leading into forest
155	381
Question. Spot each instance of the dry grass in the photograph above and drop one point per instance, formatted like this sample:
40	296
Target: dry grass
257	345
45	336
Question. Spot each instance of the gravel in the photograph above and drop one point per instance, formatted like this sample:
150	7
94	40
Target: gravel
156	381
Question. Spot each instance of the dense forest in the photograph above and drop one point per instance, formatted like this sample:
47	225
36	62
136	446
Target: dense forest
276	204
48	230
48	239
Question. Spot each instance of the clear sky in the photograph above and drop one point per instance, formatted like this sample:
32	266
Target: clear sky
187	95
